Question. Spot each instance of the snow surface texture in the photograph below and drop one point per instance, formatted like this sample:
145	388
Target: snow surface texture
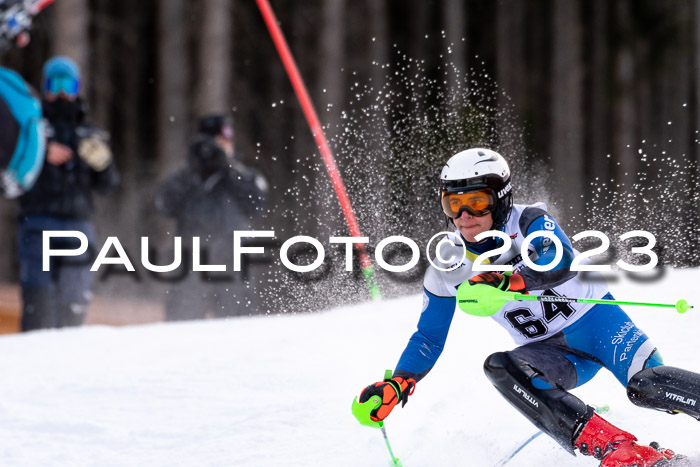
276	391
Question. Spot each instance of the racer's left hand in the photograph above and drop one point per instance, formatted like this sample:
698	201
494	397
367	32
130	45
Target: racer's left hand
513	283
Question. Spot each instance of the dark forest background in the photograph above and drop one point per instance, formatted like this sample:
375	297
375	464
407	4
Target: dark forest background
594	103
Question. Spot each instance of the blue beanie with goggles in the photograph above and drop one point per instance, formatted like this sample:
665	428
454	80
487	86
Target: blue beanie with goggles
61	74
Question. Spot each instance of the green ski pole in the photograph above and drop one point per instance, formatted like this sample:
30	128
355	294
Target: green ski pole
362	412
394	460
681	306
484	300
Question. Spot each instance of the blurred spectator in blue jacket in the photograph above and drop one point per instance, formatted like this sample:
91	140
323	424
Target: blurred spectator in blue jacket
78	161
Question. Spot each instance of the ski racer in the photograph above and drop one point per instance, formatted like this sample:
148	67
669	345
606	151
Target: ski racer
561	345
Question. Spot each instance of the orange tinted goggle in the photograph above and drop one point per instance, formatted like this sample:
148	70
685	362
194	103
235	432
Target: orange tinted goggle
477	203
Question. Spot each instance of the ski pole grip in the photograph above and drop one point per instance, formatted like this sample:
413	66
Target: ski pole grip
362	411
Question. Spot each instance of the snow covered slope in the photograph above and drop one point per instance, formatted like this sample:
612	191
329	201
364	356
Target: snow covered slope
276	391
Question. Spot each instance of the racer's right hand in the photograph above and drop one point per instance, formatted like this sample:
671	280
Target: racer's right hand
391	391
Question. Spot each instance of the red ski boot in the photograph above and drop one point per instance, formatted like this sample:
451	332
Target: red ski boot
617	448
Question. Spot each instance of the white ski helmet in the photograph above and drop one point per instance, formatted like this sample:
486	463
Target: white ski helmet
477	181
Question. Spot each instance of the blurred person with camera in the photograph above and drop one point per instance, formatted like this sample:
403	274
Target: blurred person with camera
212	194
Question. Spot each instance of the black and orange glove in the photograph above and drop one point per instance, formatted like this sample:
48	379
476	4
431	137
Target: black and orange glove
391	391
513	283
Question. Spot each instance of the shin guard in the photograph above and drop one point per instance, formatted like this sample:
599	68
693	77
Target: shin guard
666	388
554	411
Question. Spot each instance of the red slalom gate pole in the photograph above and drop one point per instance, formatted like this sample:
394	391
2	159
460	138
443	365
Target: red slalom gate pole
317	130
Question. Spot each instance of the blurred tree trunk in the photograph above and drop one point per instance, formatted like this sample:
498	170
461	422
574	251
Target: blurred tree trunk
599	102
214	58
566	143
522	55
104	61
246	86
510	56
623	105
419	40
295	137
695	138
103	57
678	134
70	34
131	69
330	99
379	145
331	83
8	237
173	78
454	19
136	194
695	30
379	25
